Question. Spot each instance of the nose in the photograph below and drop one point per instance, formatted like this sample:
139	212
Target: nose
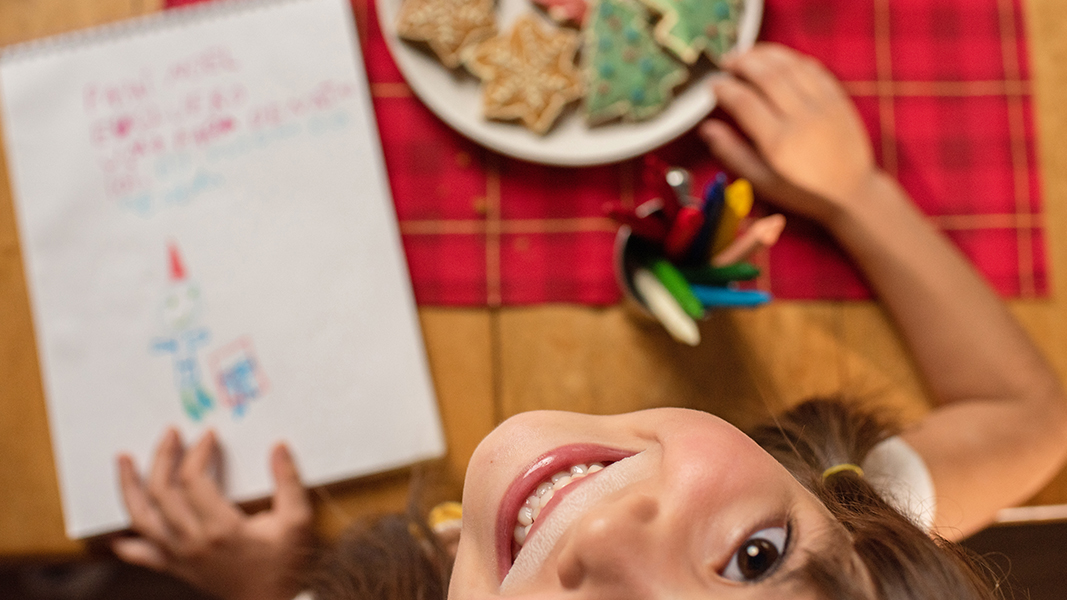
613	547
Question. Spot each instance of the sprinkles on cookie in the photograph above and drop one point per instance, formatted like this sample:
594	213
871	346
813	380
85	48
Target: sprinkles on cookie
691	27
449	27
627	73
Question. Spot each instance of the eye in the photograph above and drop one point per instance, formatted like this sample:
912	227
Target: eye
757	556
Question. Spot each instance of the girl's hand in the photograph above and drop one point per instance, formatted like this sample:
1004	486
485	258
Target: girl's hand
184	526
809	151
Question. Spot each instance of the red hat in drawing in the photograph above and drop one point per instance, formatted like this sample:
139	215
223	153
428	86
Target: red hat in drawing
177	269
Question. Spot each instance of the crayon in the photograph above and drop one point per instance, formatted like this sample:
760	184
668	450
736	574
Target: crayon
675	283
712	296
720	275
685	227
738	203
761	234
713	206
665	308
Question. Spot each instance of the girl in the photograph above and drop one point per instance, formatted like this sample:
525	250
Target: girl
824	502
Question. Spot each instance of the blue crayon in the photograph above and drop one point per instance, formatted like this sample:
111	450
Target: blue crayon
712	296
714	198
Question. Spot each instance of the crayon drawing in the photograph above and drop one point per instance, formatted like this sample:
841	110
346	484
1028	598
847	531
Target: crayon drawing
237	372
182	306
221	249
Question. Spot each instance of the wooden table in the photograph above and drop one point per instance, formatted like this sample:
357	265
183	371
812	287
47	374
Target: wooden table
491	363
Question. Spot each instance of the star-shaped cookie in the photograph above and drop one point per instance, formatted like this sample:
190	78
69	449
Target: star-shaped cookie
528	73
449	27
692	27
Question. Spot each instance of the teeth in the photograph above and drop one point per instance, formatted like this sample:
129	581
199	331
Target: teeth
543	494
525	516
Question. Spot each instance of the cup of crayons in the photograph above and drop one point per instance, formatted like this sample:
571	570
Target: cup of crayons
678	256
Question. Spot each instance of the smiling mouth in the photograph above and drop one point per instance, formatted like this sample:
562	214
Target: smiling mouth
568	507
541	500
533	494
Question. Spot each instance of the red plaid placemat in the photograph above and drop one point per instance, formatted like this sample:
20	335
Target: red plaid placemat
943	86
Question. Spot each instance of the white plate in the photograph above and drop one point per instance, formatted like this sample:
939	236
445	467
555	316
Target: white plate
455	97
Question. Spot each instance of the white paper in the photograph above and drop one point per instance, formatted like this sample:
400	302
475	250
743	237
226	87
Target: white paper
201	198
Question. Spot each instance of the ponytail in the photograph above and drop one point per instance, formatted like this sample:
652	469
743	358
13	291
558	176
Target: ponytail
902	560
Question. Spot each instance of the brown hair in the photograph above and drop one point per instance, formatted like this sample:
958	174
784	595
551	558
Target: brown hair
903	561
396	557
390	557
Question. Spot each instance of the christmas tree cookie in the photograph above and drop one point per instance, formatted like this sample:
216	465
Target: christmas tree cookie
449	27
690	27
528	73
627	73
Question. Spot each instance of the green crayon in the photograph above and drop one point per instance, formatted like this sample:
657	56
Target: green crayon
709	275
675	282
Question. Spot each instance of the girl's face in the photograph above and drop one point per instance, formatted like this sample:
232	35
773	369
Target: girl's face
686	506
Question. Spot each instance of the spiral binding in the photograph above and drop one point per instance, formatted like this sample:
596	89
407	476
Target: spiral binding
176	17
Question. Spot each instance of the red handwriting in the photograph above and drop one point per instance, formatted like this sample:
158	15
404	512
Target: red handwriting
186	107
116	95
322	97
203	133
199	102
121	126
128	155
209	63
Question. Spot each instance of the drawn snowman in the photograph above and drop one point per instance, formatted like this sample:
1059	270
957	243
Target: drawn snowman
181	310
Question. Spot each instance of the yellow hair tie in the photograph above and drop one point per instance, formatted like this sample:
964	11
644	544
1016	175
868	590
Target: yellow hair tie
444	516
834	470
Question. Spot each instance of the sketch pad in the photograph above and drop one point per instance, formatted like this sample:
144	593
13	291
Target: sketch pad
210	242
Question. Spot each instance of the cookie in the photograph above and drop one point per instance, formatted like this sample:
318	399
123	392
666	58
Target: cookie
528	73
691	27
627	73
449	27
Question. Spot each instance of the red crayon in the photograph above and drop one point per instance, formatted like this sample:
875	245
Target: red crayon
685	227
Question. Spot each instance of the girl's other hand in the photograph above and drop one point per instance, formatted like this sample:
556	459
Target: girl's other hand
185	526
806	147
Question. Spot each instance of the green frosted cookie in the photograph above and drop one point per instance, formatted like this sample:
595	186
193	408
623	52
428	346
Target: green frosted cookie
627	73
689	27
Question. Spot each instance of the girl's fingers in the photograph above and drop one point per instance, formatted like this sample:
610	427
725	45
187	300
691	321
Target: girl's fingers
197	475
771	68
139	551
291	501
166	492
737	155
751	111
144	515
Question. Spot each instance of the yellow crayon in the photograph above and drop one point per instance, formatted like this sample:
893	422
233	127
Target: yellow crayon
736	207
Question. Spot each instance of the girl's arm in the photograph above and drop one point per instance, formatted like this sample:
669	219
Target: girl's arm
999	431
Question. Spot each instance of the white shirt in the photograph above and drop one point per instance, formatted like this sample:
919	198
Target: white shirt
900	475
